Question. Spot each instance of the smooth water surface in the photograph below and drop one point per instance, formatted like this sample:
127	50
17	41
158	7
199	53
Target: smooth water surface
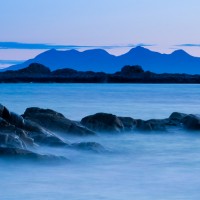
78	100
139	166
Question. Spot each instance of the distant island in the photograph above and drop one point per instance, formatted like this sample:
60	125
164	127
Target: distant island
99	60
38	73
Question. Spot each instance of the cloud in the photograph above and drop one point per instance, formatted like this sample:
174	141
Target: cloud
18	45
188	45
43	46
145	45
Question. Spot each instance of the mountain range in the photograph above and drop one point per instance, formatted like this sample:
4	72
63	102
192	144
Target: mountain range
99	60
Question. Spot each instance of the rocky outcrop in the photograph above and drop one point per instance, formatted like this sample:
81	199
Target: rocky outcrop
55	122
104	122
37	127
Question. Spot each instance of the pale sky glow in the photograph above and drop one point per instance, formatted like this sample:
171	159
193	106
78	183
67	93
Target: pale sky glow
164	23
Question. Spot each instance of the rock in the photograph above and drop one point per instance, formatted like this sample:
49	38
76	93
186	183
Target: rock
103	122
13	136
49	140
128	123
54	121
177	116
1	110
11	117
157	124
89	146
192	122
26	131
143	125
16	153
152	124
7	140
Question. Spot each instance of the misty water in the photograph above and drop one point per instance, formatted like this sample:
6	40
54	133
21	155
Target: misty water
141	166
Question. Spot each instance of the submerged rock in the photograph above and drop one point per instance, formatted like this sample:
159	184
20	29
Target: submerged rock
16	153
54	121
89	146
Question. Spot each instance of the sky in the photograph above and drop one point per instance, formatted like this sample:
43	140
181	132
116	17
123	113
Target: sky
29	27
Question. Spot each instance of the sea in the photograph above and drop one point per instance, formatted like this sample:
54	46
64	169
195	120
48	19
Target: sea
137	166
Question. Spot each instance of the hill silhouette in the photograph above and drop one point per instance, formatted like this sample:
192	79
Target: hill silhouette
99	60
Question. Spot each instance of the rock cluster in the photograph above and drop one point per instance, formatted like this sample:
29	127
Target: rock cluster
21	134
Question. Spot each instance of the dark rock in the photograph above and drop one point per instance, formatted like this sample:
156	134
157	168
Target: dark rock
11	117
16	153
13	136
42	136
192	122
152	124
1	110
143	125
7	140
157	124
177	116
103	122
54	121
49	140
27	132
89	146
128	123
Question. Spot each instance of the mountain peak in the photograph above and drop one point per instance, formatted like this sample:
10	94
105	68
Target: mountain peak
139	49
96	51
180	52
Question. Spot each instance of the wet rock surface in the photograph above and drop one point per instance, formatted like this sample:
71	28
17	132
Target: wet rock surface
37	127
103	122
54	121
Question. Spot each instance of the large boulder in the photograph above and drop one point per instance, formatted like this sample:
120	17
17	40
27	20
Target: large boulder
103	122
192	122
54	121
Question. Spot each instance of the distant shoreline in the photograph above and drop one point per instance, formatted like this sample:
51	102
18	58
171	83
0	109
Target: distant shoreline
37	73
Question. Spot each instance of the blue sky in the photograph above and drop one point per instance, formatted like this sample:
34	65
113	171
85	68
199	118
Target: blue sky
29	27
